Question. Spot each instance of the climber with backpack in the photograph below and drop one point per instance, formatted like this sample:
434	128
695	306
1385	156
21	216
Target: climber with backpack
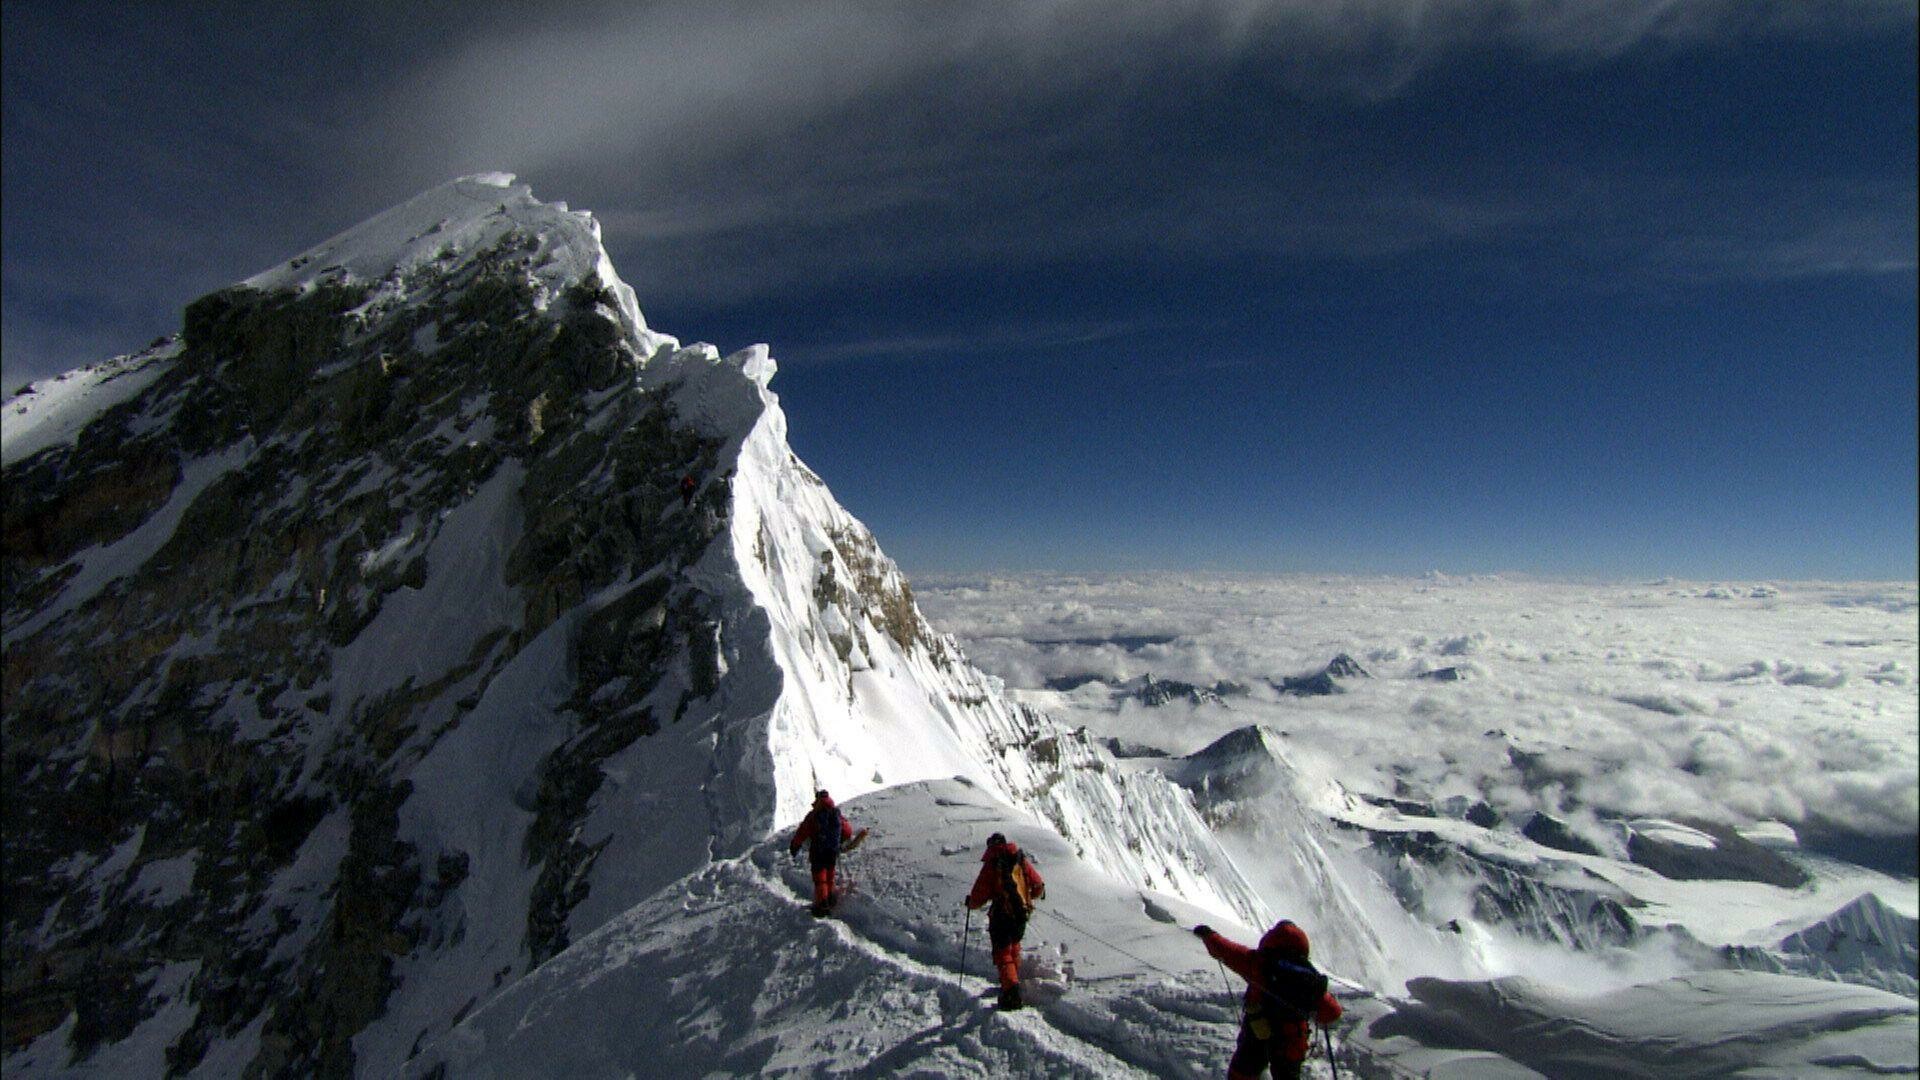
1009	882
1285	992
824	830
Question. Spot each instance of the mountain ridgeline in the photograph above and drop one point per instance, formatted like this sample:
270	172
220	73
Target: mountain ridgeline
363	651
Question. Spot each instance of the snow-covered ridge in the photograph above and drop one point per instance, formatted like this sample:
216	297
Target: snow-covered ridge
53	411
440	227
871	696
436	231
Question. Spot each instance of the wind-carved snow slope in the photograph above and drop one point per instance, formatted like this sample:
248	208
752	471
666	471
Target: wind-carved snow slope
873	696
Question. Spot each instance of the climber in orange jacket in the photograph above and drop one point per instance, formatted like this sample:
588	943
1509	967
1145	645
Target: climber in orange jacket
824	830
1284	993
1009	882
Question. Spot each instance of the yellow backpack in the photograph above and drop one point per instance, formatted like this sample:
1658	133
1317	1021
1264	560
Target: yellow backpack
1016	891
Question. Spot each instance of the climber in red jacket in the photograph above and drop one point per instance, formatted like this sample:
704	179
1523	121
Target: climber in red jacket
823	831
1010	882
1284	993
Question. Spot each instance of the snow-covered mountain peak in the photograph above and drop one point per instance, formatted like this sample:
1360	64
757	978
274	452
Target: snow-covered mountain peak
484	613
444	227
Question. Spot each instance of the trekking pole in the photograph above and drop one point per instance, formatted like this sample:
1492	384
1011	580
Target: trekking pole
1223	979
1331	1064
966	929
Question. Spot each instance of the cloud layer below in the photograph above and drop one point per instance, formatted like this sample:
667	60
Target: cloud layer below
1735	704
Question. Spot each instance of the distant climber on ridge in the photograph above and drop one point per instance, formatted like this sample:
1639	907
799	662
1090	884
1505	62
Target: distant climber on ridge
824	830
1284	992
687	486
1010	883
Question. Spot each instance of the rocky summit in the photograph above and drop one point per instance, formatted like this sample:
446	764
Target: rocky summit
414	611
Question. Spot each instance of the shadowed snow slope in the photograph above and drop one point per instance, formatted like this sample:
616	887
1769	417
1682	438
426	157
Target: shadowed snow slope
1710	1024
1865	942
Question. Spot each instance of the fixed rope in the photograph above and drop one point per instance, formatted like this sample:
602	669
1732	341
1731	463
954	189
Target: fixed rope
1142	961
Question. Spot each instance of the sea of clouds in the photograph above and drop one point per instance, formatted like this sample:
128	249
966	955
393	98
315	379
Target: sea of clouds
1729	703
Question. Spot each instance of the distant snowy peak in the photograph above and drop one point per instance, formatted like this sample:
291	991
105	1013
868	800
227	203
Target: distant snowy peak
1866	942
1252	761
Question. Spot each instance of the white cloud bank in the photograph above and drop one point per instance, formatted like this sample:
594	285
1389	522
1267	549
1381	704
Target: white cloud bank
1736	704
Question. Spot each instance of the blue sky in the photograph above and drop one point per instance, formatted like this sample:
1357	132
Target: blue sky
1612	289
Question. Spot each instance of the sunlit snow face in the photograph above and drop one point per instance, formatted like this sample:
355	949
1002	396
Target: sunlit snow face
1738	704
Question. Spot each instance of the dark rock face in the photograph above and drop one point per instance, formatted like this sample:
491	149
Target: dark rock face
1549	831
1318	684
1404	806
1234	746
1154	692
1128	642
1582	912
187	711
1238	766
1445	674
878	590
1346	667
1733	858
1120	748
1322	682
1898	855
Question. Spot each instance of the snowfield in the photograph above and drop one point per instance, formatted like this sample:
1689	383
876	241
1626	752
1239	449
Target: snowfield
727	974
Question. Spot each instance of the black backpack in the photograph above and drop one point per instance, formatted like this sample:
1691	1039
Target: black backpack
1015	888
826	833
1293	989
